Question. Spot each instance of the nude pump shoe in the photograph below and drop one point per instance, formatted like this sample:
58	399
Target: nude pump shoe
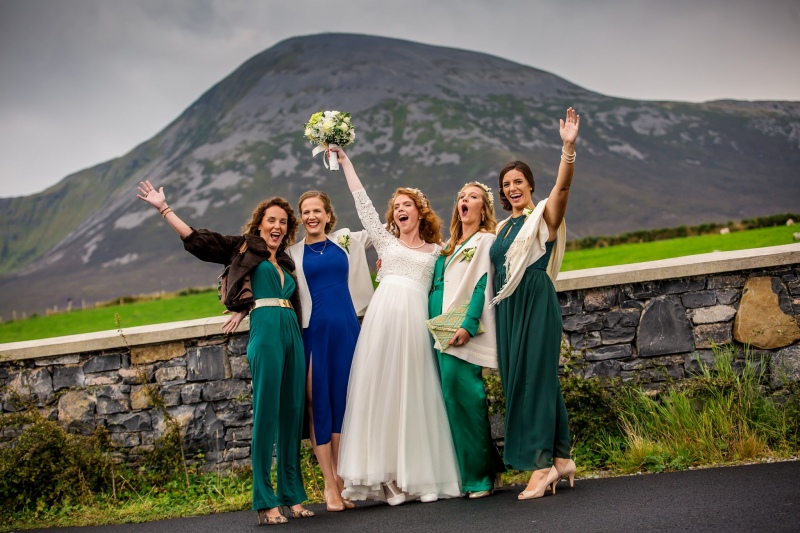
567	472
549	481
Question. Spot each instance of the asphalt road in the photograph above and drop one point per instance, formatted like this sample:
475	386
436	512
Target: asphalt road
763	498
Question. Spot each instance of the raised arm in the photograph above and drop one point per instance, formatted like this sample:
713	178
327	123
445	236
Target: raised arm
557	201
156	198
347	166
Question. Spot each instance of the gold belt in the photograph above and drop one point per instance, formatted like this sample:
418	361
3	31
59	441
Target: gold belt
272	302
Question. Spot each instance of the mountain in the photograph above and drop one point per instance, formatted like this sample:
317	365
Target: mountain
425	116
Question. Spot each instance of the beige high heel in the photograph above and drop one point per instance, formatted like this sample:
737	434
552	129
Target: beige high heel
567	472
549	481
333	507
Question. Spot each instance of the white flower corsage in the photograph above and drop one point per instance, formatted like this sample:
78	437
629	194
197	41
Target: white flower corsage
468	254
527	212
344	242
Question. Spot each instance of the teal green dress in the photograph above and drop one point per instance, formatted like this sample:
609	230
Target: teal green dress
277	363
464	394
528	348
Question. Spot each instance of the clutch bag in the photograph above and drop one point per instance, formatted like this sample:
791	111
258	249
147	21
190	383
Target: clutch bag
444	326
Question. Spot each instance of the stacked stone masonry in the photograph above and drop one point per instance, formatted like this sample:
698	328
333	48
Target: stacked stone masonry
650	331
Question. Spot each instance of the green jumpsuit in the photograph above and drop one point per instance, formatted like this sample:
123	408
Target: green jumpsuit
277	363
464	394
528	348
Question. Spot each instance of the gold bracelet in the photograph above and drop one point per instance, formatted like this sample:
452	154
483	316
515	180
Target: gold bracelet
166	212
163	209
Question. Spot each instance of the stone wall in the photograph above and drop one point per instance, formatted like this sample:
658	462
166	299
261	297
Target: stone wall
648	322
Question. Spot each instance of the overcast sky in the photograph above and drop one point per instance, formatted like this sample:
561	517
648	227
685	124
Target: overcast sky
83	81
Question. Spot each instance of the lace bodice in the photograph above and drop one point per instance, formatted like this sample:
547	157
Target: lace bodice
396	259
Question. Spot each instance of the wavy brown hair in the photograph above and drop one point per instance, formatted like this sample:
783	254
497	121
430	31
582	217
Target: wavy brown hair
326	202
258	215
488	220
430	225
514	165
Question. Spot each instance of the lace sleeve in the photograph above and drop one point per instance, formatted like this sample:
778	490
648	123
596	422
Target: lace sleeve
381	238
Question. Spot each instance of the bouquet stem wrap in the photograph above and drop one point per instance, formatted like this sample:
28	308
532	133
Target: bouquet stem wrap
334	161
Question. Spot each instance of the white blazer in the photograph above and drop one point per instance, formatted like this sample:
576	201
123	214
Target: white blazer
460	278
359	280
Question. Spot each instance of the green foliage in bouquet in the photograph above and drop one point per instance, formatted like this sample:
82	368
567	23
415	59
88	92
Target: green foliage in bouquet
330	127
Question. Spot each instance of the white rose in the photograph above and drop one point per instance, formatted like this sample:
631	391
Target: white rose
327	125
344	127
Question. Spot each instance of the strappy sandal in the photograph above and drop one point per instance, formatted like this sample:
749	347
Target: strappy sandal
302	513
266	519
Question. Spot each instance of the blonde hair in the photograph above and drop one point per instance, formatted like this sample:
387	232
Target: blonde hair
430	225
488	220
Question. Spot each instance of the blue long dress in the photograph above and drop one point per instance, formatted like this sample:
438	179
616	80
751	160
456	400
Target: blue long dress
330	338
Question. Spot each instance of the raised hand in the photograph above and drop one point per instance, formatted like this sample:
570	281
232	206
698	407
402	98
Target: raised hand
338	153
149	194
569	126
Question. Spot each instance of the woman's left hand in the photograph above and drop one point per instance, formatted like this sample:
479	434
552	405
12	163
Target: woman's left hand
569	127
233	322
461	338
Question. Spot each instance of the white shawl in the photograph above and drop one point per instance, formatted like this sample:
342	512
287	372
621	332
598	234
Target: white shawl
528	247
460	278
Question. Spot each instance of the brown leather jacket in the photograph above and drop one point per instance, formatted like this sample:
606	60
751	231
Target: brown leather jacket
243	253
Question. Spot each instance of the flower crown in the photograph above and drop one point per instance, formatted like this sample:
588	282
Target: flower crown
484	187
418	193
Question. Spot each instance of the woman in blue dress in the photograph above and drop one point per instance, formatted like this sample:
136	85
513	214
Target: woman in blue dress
335	287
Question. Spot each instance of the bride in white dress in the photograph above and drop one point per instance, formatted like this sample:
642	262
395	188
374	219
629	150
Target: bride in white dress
396	441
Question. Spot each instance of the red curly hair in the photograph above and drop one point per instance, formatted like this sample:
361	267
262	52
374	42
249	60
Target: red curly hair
430	225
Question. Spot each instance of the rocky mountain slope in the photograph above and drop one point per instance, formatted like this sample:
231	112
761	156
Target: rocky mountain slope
425	116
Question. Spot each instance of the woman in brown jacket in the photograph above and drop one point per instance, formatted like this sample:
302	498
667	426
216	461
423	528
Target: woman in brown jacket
259	278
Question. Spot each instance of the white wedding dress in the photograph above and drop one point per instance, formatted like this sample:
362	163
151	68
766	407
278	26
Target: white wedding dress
395	426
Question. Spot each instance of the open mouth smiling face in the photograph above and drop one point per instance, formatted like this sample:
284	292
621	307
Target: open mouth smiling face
314	217
406	215
274	226
517	189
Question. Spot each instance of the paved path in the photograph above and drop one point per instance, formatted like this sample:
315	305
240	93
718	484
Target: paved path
763	498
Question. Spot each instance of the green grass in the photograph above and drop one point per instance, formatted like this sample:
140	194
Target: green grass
206	304
202	305
723	416
652	251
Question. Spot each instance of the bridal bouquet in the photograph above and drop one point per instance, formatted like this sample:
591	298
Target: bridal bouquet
329	128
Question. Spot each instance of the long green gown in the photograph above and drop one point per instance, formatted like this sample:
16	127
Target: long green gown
277	363
528	348
464	394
